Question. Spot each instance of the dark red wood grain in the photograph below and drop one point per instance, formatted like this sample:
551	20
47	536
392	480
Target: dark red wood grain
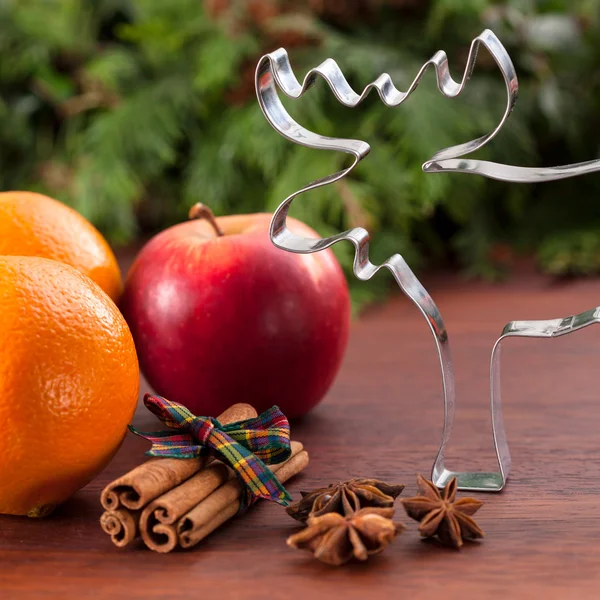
383	419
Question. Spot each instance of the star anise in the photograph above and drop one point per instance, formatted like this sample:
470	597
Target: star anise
344	498
335	539
443	515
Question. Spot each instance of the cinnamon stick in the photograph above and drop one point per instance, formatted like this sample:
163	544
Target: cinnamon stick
159	475
121	524
157	521
224	503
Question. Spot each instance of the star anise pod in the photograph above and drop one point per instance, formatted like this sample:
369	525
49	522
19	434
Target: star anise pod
335	539
443	515
344	498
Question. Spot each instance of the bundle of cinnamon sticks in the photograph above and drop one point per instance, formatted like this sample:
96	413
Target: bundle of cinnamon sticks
172	502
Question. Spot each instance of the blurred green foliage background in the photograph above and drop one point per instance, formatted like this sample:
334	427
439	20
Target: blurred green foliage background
132	110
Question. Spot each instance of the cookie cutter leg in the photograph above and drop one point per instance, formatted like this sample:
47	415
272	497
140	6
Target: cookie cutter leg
550	328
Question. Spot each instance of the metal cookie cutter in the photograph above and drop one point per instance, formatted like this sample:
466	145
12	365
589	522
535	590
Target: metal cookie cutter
274	71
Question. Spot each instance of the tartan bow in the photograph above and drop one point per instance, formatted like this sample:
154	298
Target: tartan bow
243	445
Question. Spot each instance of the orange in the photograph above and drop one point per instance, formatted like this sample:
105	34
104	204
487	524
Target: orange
69	381
35	225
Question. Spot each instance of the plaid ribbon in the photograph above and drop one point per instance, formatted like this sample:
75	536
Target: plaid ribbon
245	445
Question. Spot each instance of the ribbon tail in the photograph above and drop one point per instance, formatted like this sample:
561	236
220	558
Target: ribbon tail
148	434
166	444
260	482
274	492
284	499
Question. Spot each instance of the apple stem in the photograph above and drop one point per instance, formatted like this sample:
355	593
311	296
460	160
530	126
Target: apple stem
201	211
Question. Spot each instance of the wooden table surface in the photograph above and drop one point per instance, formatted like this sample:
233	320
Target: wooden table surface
383	419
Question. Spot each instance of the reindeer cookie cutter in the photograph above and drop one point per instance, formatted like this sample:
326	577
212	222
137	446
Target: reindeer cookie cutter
274	72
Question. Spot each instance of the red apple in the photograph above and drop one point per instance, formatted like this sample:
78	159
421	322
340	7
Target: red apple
219	319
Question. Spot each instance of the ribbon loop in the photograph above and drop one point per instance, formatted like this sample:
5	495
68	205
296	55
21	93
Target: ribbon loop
243	445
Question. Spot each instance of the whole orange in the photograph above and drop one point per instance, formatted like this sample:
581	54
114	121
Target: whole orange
69	381
36	225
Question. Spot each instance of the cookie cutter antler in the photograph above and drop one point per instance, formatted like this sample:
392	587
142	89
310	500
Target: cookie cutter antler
274	71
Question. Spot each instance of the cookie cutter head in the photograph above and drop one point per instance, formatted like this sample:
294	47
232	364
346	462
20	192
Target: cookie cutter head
275	72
